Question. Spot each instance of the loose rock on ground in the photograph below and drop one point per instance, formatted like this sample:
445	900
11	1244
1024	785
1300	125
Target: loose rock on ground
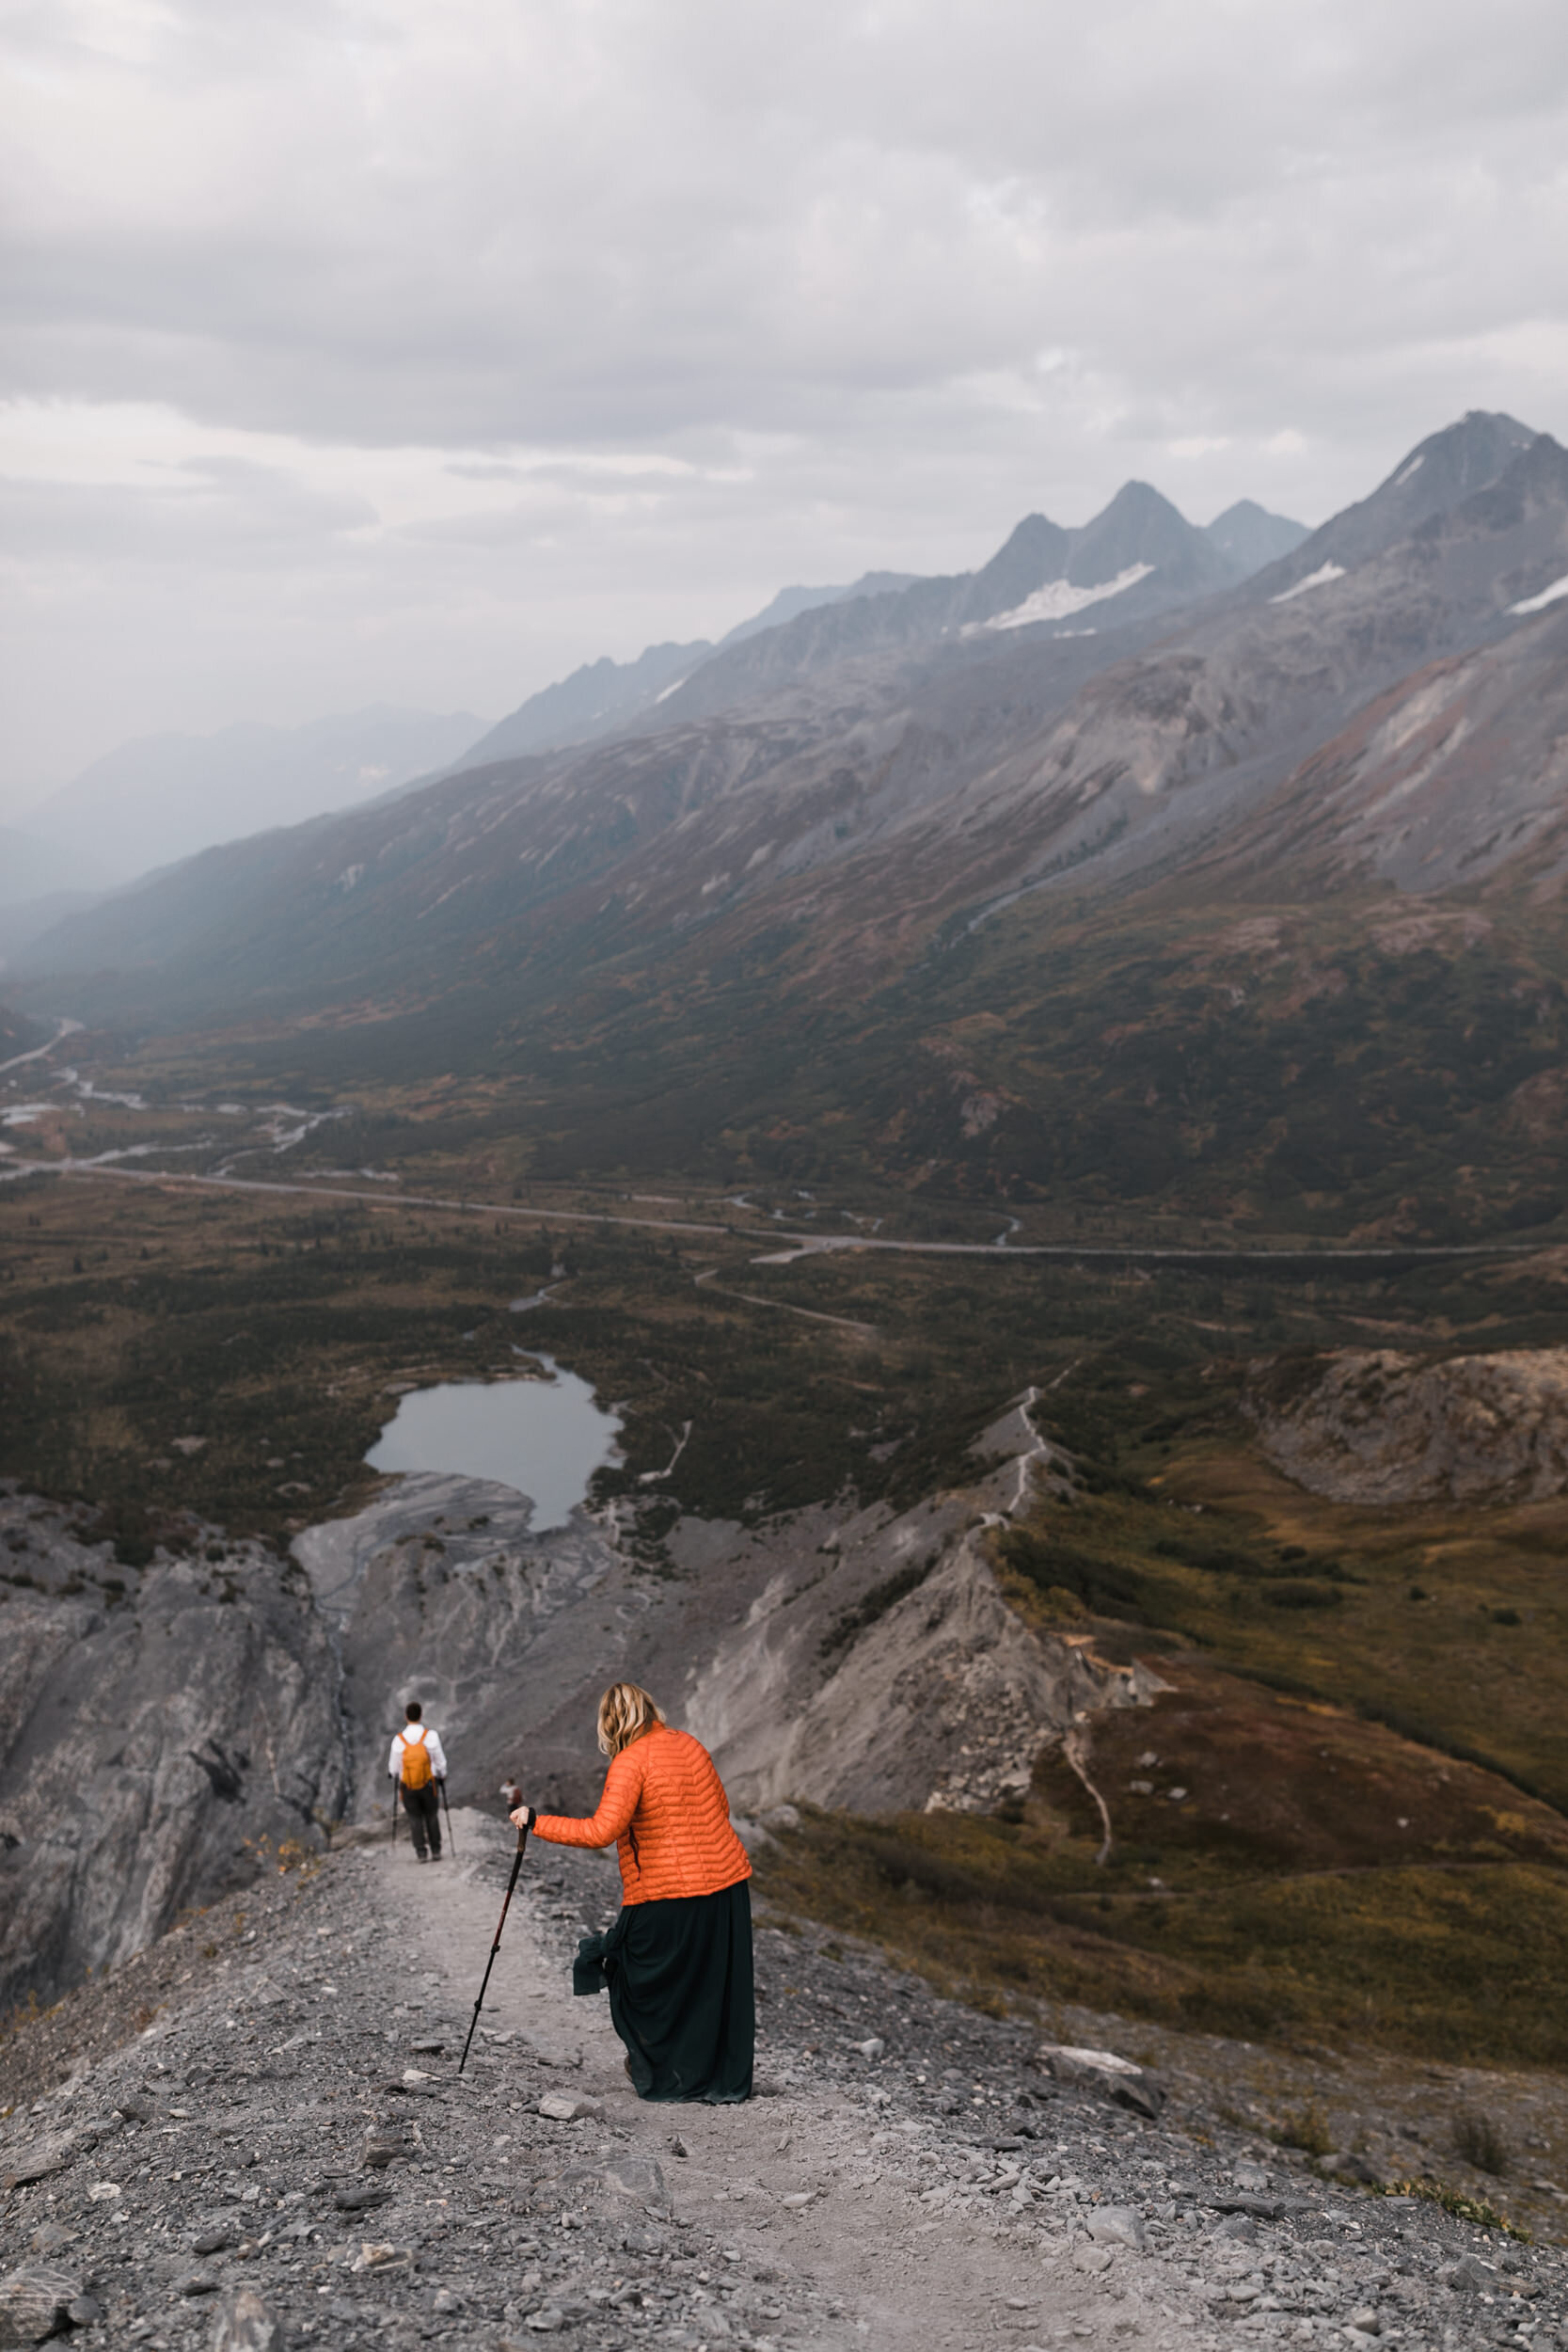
256	2137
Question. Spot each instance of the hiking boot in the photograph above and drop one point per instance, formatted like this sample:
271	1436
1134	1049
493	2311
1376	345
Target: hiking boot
419	1857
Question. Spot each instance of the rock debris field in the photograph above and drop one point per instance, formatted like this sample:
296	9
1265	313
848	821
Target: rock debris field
254	2135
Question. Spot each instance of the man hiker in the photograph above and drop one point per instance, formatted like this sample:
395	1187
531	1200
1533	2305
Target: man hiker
418	1766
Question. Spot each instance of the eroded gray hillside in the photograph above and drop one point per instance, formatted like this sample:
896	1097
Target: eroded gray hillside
883	765
859	1658
162	1727
1376	1425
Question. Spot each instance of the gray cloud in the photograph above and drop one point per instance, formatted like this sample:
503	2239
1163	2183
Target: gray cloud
679	301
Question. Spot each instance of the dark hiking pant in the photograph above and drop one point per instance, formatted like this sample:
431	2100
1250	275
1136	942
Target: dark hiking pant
423	1808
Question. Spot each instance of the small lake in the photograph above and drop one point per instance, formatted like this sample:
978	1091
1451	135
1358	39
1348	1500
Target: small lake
544	1438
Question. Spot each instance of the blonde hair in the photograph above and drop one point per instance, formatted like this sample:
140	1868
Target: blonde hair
626	1712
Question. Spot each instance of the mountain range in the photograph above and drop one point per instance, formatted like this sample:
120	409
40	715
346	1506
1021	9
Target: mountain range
32	868
932	830
606	698
602	696
161	798
975	632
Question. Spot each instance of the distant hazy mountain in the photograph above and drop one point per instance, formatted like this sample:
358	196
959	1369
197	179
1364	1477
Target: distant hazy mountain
29	919
1248	536
789	601
1078	876
600	696
1097	702
605	695
163	797
41	884
34	868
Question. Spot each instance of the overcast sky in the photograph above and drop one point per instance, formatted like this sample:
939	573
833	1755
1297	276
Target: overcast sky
417	350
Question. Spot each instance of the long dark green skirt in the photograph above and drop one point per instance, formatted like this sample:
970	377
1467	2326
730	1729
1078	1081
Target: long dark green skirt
679	1978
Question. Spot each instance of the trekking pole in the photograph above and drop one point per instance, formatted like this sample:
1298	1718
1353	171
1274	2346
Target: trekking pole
446	1803
511	1886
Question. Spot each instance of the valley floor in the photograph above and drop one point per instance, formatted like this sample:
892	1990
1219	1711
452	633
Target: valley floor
261	2117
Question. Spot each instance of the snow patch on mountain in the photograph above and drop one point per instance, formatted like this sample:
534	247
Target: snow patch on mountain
1059	597
1549	595
1320	579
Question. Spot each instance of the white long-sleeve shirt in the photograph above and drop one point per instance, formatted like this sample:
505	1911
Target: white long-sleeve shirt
432	1740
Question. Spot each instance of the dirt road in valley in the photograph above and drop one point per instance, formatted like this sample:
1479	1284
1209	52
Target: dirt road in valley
62	1030
798	1245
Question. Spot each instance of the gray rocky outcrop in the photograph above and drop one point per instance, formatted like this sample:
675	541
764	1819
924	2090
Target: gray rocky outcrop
943	1702
1372	1426
170	1727
162	1730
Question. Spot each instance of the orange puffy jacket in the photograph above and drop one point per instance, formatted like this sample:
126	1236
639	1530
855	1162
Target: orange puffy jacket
665	1810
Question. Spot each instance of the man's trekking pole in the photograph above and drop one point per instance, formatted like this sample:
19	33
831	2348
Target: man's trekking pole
446	1803
511	1886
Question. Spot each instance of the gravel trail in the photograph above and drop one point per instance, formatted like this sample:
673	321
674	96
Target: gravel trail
253	2136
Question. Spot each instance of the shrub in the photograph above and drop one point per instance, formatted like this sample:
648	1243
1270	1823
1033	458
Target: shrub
876	1602
1305	2128
1103	1586
1480	2139
1471	2209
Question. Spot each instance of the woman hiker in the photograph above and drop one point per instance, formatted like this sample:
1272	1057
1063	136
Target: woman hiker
677	1962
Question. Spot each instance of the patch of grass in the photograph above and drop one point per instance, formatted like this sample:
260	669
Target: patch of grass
1106	1586
1311	1597
1478	2211
24	2012
1460	1966
1305	2128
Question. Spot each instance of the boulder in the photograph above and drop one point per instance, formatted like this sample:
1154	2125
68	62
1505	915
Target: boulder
565	2106
1118	2078
39	2161
638	2178
34	2301
1119	2225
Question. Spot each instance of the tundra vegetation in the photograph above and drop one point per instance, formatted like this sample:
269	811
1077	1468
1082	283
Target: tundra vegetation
1344	1817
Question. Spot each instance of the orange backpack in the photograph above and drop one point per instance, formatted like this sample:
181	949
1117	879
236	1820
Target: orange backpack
416	1758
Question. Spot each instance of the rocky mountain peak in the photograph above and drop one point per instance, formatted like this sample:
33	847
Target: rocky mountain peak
1249	536
1437	476
1536	478
1036	551
1140	526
